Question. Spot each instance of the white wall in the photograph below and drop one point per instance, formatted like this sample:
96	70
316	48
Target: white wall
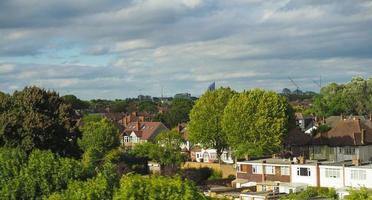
330	181
310	180
365	152
358	183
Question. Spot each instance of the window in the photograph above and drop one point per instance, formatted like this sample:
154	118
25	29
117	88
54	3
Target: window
358	175
303	171
332	173
256	169
284	171
126	139
269	170
349	151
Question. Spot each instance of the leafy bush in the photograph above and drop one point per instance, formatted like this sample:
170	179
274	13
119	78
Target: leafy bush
197	175
215	175
312	192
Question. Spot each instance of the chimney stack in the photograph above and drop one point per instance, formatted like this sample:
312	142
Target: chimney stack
138	125
356	161
302	160
363	135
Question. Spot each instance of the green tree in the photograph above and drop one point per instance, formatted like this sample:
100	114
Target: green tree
178	113
119	106
166	151
148	106
205	126
256	121
41	175
156	188
359	194
101	135
36	118
75	102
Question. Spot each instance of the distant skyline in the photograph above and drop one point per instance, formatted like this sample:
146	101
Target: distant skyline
113	49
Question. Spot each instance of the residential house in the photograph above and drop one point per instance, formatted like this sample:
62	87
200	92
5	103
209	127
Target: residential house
304	122
296	141
138	132
347	139
199	154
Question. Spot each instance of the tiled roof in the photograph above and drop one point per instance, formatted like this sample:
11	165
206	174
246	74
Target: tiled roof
145	130
347	132
296	137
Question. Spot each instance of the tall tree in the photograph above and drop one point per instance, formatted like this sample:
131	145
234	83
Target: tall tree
178	112
205	126
36	118
166	151
256	121
75	103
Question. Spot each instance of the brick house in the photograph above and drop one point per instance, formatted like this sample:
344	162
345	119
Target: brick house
138	132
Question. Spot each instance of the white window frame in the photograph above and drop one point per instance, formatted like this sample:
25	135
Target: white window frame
299	171
269	169
256	169
332	173
358	174
284	171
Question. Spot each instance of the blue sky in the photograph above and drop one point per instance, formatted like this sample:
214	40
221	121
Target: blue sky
116	49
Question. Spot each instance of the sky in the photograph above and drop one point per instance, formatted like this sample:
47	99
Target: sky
122	48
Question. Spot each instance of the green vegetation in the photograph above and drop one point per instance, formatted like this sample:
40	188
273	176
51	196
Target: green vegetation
312	192
37	119
256	121
157	188
205	126
353	98
359	194
166	151
178	112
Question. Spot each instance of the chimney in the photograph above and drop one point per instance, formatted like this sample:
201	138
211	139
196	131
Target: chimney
141	118
355	161
302	160
138	127
362	136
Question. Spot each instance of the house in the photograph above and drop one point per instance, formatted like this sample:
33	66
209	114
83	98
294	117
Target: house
296	141
258	171
305	172
199	154
348	138
128	118
304	122
138	132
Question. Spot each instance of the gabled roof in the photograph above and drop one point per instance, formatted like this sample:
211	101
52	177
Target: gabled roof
145	130
346	132
296	137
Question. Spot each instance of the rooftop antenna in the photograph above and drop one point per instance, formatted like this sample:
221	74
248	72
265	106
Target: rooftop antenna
295	84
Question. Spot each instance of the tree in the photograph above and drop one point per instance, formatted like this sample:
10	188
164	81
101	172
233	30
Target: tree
156	188
100	135
205	126
166	151
41	174
75	103
36	118
256	121
147	106
178	113
361	194
119	106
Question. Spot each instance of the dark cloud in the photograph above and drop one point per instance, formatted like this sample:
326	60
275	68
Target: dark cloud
112	48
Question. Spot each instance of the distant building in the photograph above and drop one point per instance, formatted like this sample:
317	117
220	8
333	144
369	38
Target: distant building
144	98
182	96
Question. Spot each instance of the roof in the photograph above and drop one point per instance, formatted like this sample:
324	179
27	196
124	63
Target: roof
145	130
347	132
296	137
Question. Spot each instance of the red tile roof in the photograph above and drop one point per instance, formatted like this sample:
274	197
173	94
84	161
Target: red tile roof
145	130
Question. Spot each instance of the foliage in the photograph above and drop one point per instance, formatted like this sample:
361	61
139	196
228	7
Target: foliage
354	97
359	194
205	126
42	174
256	121
312	192
75	103
196	175
166	151
96	188
36	118
147	106
178	113
100	135
156	188
216	174
119	106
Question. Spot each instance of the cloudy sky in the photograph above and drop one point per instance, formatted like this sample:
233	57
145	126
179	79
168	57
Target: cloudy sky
122	48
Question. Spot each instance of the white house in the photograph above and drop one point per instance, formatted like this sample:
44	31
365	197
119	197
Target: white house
306	173
210	155
358	176
331	176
